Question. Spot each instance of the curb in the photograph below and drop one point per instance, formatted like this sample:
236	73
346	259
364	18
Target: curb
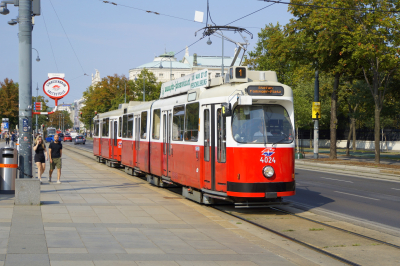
383	173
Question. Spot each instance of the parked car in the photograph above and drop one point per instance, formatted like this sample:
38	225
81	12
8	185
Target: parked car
61	135
50	138
67	137
80	140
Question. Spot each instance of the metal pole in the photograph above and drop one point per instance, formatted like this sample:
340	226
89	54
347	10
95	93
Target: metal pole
25	88
144	89
37	95
170	69
316	121
222	66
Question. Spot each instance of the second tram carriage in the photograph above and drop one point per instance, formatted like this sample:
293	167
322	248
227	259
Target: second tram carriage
229	139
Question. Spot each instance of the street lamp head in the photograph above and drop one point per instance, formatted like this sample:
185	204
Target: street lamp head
209	42
12	22
4	10
37	59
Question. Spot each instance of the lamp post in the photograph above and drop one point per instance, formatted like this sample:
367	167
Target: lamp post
37	58
37	95
170	66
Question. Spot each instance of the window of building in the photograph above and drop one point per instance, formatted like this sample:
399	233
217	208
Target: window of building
192	122
106	127
156	123
161	75
182	75
172	75
143	126
178	123
129	130
217	75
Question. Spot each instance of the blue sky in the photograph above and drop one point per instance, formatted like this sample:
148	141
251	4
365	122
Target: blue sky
114	39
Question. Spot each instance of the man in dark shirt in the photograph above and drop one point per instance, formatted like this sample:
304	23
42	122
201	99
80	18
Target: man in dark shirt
55	153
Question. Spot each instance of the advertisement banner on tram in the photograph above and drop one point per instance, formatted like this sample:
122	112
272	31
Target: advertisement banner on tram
184	84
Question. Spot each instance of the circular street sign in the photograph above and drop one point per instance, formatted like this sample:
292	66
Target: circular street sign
56	88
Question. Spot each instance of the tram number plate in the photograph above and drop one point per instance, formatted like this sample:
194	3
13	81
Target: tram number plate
267	159
265	90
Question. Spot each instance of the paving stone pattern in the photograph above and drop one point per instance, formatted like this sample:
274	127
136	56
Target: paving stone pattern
100	217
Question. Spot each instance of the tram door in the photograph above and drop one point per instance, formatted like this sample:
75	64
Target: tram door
214	131
137	139
166	122
114	138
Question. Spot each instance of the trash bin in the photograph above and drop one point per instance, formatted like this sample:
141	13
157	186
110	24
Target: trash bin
8	169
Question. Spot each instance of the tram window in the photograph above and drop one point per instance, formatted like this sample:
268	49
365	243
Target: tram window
125	126
178	123
129	130
156	123
206	135
221	141
165	134
259	124
143	126
106	127
96	128
192	122
120	127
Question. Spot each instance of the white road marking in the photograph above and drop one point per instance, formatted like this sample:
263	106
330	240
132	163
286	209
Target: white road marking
355	195
395	188
336	179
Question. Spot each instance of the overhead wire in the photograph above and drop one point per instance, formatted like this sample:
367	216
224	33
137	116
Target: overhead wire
77	58
51	46
258	10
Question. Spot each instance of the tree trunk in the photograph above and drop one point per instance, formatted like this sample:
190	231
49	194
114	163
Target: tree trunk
353	122
348	139
333	154
376	133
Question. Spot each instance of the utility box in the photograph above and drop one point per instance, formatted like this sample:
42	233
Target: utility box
8	169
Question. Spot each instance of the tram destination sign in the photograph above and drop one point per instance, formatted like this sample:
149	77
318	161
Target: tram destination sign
265	90
184	84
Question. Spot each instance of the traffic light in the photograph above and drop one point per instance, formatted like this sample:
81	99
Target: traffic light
81	114
38	106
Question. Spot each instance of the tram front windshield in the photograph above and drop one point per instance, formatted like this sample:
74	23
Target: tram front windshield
262	124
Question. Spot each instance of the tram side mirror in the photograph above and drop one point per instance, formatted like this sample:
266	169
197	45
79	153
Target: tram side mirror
226	109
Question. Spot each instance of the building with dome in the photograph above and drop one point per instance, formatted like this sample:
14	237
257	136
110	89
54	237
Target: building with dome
170	66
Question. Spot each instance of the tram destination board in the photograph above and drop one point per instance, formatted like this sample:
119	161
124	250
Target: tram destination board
265	90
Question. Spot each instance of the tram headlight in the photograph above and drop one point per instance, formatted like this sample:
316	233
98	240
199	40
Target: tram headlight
268	171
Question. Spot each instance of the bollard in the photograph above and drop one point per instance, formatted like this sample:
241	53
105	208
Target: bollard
8	169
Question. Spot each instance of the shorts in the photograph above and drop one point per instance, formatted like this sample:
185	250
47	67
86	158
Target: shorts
56	163
39	158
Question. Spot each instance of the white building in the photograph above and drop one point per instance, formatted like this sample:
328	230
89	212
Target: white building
65	107
189	64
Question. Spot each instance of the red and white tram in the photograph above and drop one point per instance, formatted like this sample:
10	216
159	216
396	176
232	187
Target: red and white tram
229	139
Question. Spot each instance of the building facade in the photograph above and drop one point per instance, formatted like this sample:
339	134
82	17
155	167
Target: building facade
166	67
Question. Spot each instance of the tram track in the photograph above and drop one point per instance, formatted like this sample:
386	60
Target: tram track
297	240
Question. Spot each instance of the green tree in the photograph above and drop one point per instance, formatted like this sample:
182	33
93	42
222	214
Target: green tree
56	120
9	96
152	87
374	44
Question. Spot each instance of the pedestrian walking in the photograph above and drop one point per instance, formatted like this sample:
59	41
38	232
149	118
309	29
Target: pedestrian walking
7	136
13	138
40	156
55	153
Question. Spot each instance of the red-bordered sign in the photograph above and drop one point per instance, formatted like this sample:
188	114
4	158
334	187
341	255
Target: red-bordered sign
56	88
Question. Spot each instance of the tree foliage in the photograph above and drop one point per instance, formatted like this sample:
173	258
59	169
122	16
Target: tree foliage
9	96
109	93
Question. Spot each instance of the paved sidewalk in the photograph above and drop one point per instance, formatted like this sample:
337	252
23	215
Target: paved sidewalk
101	216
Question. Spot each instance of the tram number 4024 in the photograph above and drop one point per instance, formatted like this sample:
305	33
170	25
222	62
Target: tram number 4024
267	159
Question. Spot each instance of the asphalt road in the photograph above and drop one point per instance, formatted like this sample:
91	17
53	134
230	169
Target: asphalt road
372	200
377	201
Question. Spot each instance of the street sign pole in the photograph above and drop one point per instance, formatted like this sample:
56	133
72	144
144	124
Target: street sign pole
316	121
25	88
